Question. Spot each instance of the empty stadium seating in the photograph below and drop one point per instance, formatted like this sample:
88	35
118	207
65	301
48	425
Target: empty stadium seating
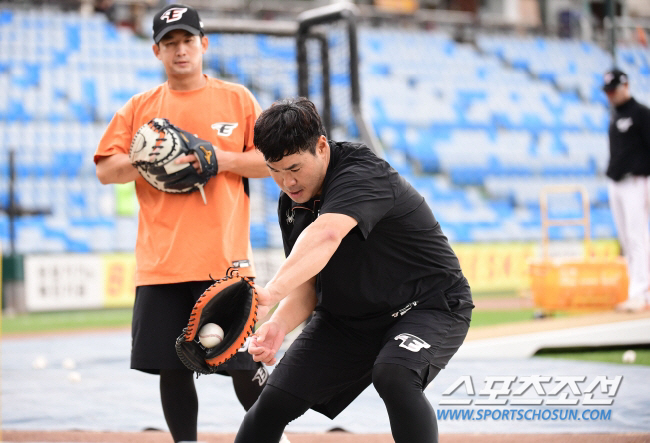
504	118
479	130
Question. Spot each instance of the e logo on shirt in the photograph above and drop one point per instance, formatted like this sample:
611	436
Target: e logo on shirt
623	124
224	129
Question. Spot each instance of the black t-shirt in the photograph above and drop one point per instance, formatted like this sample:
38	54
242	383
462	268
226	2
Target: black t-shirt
629	141
395	258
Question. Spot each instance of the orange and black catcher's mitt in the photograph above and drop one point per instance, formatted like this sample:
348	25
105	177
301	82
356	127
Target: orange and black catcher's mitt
231	302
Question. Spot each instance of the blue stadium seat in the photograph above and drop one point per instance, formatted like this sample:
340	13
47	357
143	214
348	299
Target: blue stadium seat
477	136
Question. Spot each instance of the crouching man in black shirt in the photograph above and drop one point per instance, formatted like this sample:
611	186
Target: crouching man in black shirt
365	253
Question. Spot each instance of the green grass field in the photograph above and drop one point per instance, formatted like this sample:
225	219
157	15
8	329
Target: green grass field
495	317
43	322
109	318
607	355
65	321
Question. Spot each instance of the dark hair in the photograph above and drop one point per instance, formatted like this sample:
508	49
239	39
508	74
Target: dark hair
288	127
167	37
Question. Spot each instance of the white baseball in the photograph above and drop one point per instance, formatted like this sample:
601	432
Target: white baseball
39	362
629	356
68	363
74	377
210	335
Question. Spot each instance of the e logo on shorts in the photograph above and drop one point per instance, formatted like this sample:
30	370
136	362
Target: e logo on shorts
261	376
411	342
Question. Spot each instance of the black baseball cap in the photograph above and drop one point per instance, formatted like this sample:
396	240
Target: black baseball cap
173	17
614	78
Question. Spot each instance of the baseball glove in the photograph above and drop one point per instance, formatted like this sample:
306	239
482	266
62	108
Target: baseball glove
158	143
230	302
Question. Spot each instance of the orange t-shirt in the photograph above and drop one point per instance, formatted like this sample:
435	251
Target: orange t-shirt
179	237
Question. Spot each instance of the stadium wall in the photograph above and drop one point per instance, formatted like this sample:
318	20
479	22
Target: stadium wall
96	281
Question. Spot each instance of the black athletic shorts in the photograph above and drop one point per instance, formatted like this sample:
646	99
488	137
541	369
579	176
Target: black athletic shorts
160	313
330	363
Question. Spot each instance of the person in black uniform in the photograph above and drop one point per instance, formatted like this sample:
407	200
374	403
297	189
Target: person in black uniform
364	253
628	171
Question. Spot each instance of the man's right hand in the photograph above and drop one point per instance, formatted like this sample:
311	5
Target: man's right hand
267	296
266	342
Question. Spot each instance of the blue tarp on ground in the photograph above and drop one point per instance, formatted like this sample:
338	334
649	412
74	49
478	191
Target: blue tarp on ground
108	396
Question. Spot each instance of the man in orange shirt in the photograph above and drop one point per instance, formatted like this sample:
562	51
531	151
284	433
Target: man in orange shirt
182	241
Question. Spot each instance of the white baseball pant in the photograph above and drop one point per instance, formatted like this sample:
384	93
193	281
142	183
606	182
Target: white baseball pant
630	206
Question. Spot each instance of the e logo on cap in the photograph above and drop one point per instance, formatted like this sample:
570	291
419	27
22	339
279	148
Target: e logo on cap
173	14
